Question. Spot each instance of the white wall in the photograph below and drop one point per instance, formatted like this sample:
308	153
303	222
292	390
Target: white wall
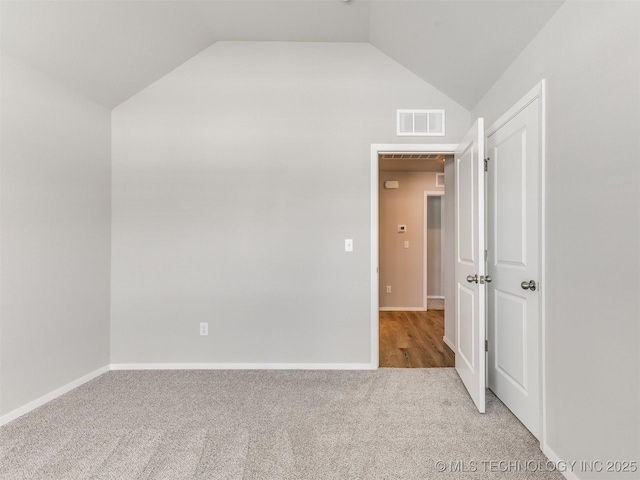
55	251
236	179
590	55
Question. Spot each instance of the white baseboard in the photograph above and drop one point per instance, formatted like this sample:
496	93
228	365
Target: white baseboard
449	343
551	455
18	412
435	297
402	309
242	366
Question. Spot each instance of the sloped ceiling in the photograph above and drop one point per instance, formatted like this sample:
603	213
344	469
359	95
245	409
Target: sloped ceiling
459	47
110	50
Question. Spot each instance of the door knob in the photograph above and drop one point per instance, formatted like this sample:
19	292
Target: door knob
472	278
485	279
530	285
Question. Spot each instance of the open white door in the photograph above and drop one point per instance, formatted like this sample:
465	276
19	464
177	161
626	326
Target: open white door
470	268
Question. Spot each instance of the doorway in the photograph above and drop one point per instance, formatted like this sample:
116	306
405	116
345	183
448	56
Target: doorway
499	299
411	259
516	375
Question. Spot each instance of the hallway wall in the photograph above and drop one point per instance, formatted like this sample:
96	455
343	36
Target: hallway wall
402	268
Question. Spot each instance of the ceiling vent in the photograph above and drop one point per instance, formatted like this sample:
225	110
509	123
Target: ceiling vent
421	123
413	156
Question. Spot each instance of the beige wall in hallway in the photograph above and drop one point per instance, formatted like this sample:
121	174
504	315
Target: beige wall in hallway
401	268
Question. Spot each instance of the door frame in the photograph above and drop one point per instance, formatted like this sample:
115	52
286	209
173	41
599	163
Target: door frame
425	243
537	92
377	149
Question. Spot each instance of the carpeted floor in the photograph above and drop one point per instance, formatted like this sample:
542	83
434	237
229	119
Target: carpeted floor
384	424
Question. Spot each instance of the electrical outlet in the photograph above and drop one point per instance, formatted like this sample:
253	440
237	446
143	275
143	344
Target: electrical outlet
388	288
204	329
406	244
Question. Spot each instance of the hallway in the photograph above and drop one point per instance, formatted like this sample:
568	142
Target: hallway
414	340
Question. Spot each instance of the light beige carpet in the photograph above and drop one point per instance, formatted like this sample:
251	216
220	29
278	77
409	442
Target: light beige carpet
384	424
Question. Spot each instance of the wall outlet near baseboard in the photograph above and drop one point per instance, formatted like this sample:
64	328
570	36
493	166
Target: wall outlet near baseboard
204	329
388	288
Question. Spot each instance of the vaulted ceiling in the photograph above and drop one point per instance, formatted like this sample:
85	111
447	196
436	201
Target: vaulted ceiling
110	50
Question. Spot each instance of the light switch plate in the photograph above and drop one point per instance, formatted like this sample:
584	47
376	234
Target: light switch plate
348	245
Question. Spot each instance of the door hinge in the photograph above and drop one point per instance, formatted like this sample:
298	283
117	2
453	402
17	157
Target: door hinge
486	254
486	345
486	164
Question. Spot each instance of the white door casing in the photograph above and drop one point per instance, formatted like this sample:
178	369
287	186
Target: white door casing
425	244
514	147
376	150
470	266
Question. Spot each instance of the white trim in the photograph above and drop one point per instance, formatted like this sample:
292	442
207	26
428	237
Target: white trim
427	194
403	309
566	473
435	297
443	243
377	149
449	343
18	412
375	274
444	148
241	366
537	92
543	261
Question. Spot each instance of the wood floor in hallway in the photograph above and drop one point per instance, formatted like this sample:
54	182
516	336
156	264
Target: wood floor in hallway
414	340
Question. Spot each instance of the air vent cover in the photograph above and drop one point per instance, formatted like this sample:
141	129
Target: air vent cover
421	123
